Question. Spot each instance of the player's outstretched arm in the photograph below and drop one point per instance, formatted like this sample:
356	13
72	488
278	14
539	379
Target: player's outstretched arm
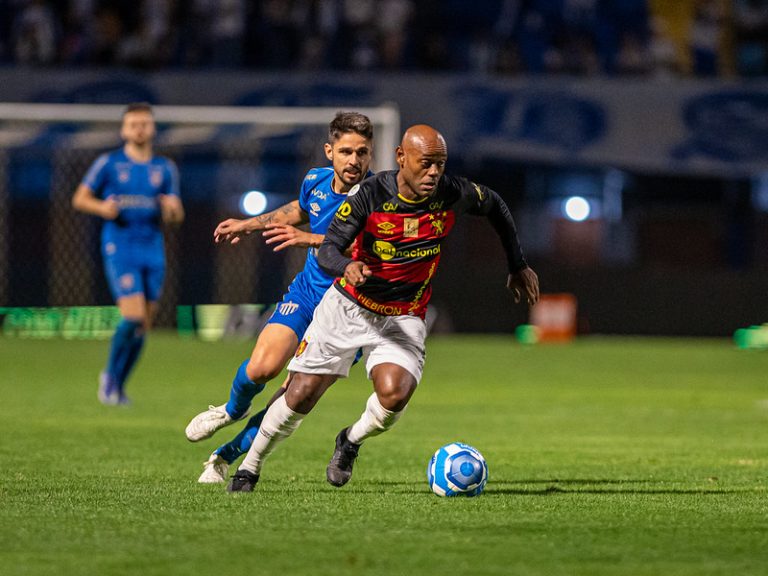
524	282
286	236
84	200
233	229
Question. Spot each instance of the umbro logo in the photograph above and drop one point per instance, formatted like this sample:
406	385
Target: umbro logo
386	227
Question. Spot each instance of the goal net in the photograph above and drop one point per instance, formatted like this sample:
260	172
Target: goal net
50	253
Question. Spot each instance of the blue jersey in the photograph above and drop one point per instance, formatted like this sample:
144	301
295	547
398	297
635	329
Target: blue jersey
132	244
136	187
320	202
318	199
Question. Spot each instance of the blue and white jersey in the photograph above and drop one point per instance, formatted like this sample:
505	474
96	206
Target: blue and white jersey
136	187
318	199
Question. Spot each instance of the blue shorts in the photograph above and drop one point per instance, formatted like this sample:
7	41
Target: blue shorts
135	269
298	305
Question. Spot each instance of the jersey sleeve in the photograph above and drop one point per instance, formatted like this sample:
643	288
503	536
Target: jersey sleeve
347	223
171	186
96	176
304	193
480	200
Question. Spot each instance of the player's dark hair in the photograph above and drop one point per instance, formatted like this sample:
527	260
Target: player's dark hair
346	122
138	107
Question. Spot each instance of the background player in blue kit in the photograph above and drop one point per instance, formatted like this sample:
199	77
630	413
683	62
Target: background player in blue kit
349	148
134	191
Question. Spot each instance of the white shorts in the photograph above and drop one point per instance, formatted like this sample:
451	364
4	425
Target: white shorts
340	328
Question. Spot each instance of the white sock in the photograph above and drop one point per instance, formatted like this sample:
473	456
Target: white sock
279	422
375	420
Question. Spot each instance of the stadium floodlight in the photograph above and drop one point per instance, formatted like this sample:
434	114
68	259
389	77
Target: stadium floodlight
253	203
576	208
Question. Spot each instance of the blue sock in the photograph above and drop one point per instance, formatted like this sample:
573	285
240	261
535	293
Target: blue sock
242	392
241	443
119	350
134	350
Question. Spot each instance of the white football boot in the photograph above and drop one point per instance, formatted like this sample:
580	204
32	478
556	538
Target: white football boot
205	424
214	470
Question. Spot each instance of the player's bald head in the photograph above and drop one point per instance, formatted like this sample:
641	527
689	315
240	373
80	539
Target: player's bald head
424	139
421	156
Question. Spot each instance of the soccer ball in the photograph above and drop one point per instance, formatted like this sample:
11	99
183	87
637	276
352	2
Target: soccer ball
457	469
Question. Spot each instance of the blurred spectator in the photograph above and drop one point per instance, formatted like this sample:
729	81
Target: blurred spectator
706	35
78	32
359	32
664	62
751	37
393	32
34	33
612	37
107	35
623	36
320	21
577	37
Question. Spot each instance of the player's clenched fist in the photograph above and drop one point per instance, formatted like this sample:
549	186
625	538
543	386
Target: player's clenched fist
356	273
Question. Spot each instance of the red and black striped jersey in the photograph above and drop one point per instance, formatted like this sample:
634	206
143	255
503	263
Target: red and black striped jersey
400	240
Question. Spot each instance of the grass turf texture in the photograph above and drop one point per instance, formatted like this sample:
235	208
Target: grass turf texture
607	456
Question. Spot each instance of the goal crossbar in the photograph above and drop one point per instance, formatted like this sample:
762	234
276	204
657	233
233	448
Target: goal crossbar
386	118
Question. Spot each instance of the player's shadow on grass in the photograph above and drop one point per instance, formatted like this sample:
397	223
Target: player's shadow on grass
604	486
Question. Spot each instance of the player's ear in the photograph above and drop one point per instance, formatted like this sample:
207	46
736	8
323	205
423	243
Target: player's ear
328	151
400	155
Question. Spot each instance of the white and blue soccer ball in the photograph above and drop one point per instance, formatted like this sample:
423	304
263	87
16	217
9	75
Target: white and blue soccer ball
457	469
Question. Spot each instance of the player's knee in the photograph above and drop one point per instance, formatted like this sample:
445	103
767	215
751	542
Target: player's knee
395	394
304	392
262	369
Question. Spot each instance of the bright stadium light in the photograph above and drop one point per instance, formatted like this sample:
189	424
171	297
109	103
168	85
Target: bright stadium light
253	203
577	208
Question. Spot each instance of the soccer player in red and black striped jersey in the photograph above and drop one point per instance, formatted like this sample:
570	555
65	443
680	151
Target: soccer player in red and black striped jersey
395	222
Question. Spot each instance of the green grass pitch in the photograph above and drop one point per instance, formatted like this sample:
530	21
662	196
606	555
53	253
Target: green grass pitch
607	456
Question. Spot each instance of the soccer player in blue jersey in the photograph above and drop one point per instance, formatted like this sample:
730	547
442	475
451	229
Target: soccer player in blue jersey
349	148
134	191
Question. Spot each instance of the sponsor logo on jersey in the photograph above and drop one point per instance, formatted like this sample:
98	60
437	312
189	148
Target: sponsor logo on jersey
302	346
123	176
110	248
410	227
378	307
387	251
353	190
344	210
136	201
287	308
311	177
437	221
389	207
319	194
314	208
384	250
436	205
415	304
386	227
